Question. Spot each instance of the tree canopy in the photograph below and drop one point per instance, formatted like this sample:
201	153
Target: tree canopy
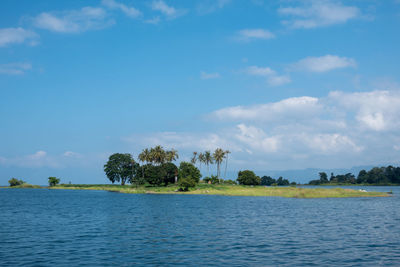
120	167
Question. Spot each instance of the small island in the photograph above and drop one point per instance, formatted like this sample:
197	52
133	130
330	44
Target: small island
158	175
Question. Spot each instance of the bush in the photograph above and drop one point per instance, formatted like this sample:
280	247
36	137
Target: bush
15	182
213	180
186	183
53	181
154	175
248	177
187	169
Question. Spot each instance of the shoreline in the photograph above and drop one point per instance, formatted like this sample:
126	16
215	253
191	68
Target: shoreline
227	190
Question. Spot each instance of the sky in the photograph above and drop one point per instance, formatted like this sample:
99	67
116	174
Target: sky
284	85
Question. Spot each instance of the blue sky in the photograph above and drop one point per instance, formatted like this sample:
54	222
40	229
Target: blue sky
283	85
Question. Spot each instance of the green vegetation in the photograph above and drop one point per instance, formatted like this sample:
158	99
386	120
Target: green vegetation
15	182
231	190
248	178
53	181
376	176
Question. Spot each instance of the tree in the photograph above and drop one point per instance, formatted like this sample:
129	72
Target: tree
323	177
227	152
186	183
201	159
15	182
53	181
282	181
119	167
208	159
248	177
187	169
267	180
170	171
154	174
193	160
219	156
171	155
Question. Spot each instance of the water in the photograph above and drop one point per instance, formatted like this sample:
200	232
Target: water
40	227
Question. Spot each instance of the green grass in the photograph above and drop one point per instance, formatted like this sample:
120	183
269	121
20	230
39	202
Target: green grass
233	190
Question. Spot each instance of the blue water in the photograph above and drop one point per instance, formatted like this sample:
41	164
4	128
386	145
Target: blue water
40	227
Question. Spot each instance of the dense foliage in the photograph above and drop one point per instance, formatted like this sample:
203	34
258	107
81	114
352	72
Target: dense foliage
267	180
53	181
187	169
15	182
186	183
120	167
248	177
377	175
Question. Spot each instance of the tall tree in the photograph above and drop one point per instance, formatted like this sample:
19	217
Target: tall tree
119	167
227	152
171	155
208	159
201	159
193	160
219	156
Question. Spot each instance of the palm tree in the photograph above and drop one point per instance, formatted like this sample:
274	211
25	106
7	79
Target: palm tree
201	159
158	154
144	157
171	155
219	156
194	158
208	159
227	152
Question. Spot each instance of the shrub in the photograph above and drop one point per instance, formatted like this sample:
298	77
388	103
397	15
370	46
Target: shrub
15	182
154	175
186	183
53	181
248	177
213	180
230	182
187	169
267	180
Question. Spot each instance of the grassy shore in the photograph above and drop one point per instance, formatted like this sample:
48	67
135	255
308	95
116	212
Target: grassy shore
233	190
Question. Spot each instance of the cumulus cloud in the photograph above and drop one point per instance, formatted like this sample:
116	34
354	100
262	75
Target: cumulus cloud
74	21
273	78
17	36
127	10
254	34
294	108
342	129
169	11
313	14
15	68
323	63
207	76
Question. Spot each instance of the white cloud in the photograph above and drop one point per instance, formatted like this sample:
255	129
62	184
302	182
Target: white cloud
255	34
273	79
294	108
169	11
376	110
71	154
207	76
206	7
129	11
154	20
17	36
36	160
256	139
315	14
74	21
323	63
14	68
